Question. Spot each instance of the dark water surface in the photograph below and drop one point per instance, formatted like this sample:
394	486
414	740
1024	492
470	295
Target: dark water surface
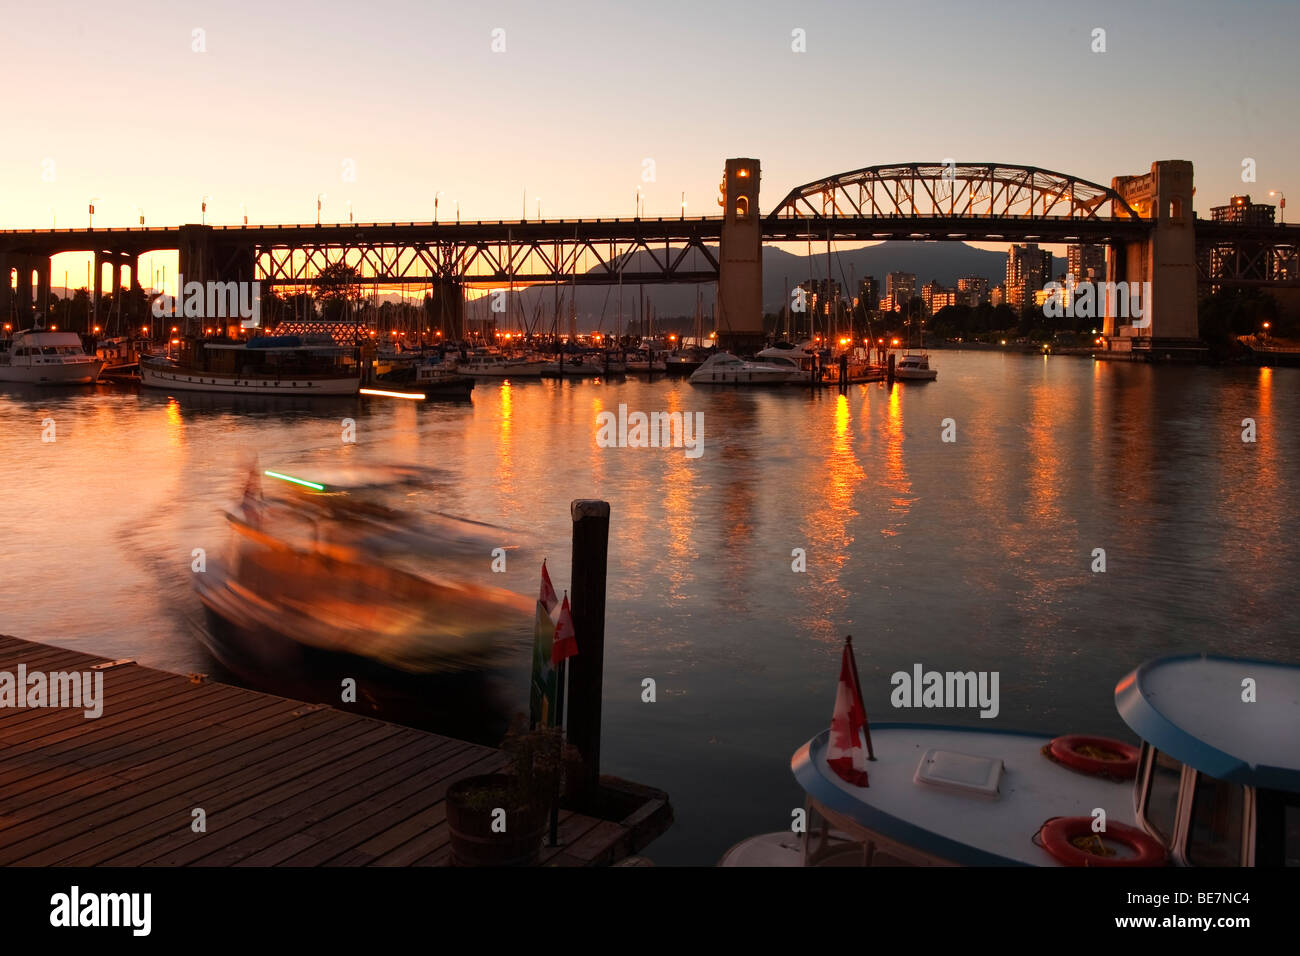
973	555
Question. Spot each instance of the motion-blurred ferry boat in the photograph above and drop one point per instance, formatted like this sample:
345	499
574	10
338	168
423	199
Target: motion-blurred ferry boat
266	365
1216	782
723	368
42	357
324	577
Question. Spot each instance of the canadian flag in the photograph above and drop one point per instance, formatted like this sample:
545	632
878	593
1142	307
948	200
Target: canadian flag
847	755
547	596
565	644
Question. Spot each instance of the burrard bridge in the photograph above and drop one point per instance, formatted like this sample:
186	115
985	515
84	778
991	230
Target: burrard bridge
1146	222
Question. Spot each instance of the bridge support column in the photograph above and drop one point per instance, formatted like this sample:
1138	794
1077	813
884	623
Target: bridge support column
43	287
6	292
1165	262
445	309
25	310
97	292
740	260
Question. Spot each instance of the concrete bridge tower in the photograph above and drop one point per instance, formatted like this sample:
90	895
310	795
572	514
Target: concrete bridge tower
740	260
1166	259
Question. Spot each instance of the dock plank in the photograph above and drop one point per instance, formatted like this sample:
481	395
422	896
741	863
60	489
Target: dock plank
282	783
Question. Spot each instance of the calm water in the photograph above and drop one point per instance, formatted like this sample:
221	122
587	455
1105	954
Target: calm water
970	555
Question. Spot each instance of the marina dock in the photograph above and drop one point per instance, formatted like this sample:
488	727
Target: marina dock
279	782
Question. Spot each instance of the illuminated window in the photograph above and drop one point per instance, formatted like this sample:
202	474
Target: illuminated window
742	173
742	207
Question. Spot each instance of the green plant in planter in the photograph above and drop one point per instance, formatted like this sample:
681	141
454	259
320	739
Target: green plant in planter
526	794
537	763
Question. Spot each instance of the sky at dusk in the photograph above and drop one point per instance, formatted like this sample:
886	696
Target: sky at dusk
115	104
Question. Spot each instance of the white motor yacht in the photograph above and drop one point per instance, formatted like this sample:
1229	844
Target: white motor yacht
723	368
800	357
43	357
915	367
1215	782
495	365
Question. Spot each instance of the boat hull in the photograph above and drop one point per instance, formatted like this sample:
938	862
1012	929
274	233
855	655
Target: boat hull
70	373
188	380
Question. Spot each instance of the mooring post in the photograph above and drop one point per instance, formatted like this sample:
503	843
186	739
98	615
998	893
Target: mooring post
889	371
587	667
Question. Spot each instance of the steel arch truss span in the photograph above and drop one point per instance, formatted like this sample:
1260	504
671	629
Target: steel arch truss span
502	260
952	191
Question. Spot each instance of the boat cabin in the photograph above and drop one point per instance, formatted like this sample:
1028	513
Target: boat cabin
1218	781
1215	782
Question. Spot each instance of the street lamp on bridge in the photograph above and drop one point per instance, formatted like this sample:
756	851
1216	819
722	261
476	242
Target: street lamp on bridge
320	197
435	204
203	211
1281	204
92	211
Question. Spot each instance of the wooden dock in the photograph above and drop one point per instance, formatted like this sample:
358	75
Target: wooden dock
280	782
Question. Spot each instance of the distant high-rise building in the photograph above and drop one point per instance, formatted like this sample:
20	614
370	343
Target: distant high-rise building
1028	270
972	290
998	295
1225	258
1087	262
869	293
943	298
929	291
1244	212
900	286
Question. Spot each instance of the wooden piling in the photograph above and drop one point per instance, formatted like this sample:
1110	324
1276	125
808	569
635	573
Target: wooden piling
586	672
889	370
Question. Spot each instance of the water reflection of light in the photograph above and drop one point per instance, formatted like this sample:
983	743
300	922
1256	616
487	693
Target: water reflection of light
679	513
505	442
896	480
829	538
175	425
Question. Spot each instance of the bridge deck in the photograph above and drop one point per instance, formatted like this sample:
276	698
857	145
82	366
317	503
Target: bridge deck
282	783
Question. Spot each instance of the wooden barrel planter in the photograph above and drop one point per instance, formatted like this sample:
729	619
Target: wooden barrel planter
470	806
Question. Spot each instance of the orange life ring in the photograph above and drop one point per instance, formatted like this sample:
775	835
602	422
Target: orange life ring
1100	756
1062	837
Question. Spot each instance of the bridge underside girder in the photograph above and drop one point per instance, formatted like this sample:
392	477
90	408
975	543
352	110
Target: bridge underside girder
1248	263
500	262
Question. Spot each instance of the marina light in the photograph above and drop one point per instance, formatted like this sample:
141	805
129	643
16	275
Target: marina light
382	394
895	342
297	481
96	329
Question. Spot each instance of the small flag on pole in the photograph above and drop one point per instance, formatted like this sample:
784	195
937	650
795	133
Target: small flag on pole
847	753
564	644
547	595
541	699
